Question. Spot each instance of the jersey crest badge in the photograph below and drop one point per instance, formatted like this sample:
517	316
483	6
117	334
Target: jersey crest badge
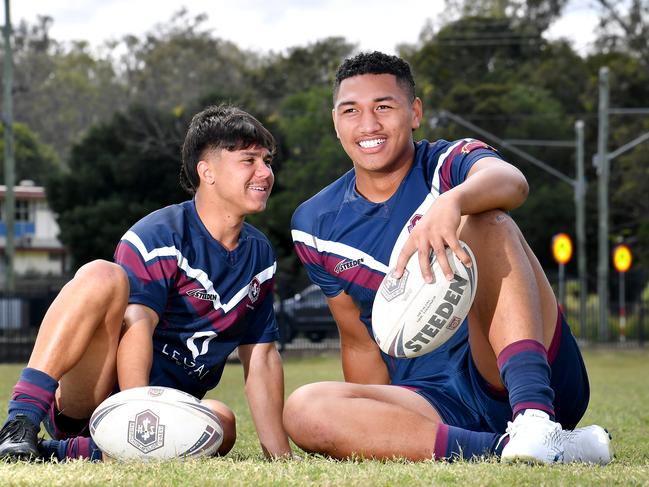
253	290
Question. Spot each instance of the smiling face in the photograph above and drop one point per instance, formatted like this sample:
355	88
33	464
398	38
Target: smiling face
374	118
238	182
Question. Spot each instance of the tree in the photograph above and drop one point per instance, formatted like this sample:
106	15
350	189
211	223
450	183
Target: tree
118	173
471	51
517	111
301	69
313	159
33	159
629	208
625	31
629	88
180	61
559	70
539	13
61	90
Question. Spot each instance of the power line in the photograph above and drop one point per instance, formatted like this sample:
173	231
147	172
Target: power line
526	116
488	42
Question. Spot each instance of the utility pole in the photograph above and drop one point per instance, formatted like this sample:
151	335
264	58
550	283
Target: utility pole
603	164
7	119
602	161
580	224
578	185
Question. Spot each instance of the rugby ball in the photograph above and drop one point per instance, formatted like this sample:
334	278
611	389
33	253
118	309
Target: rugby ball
411	317
155	423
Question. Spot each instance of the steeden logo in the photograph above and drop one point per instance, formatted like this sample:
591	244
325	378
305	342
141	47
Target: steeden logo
347	264
202	294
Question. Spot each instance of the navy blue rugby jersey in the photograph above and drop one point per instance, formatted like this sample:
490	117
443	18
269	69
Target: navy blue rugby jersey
348	243
209	300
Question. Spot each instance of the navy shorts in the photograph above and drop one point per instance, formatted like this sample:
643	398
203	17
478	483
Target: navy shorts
467	401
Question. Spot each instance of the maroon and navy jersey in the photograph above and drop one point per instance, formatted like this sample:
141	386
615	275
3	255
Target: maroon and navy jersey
209	300
348	243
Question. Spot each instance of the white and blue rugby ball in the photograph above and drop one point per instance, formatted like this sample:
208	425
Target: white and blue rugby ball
155	423
411	317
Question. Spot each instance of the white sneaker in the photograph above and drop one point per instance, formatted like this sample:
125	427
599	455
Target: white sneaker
590	444
534	438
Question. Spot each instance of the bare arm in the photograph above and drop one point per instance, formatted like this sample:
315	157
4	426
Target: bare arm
361	357
264	377
491	184
135	351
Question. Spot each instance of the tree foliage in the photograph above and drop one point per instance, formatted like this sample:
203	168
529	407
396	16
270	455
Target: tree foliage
625	30
178	61
126	109
121	171
33	160
537	13
61	91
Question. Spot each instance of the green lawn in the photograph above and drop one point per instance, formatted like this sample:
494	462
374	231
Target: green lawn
620	394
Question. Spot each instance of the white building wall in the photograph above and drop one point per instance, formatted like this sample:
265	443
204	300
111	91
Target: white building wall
37	263
39	253
47	230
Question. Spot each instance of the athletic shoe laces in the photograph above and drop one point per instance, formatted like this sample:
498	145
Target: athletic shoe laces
544	431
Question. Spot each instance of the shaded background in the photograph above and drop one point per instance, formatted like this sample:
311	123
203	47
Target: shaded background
100	124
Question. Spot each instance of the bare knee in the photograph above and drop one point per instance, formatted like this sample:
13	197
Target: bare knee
103	277
300	404
305	415
493	226
497	243
103	286
228	423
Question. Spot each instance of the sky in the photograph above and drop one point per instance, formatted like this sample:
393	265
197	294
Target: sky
271	25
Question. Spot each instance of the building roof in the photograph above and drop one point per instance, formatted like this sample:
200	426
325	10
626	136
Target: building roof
25	190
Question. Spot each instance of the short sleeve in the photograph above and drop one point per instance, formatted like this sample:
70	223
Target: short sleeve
307	251
471	151
452	165
151	271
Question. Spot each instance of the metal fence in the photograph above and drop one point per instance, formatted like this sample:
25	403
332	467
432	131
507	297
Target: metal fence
20	316
625	324
306	324
313	327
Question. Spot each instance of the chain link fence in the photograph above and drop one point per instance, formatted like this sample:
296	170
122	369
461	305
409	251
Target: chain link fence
306	325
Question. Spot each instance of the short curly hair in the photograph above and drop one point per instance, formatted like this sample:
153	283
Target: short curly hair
220	127
376	63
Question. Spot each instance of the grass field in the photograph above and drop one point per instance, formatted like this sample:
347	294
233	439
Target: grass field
620	395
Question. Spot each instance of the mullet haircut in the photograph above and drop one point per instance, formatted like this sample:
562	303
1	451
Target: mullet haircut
220	127
376	63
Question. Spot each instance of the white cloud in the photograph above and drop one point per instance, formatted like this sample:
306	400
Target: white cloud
578	24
